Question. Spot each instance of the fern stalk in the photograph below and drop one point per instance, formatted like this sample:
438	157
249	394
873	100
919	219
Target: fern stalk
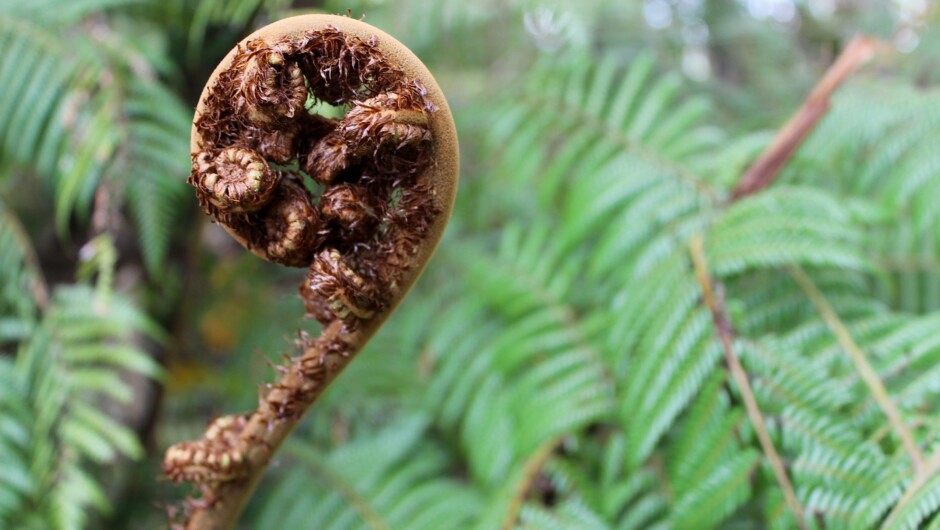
760	174
713	300
763	171
862	366
529	472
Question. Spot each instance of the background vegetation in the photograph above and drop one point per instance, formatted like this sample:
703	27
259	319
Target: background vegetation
555	367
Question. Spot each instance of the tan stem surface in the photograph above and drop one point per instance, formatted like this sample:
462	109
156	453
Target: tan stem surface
864	368
768	165
713	300
529	473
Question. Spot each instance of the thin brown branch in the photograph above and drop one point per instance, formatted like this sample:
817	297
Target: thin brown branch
529	473
862	366
768	165
713	298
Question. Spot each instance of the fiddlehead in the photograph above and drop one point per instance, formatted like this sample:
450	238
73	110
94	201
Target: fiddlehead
388	172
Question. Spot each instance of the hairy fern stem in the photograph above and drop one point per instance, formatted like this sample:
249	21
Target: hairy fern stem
388	172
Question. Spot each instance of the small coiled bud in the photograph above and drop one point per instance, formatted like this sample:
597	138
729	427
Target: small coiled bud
237	180
333	290
349	206
272	89
214	458
292	226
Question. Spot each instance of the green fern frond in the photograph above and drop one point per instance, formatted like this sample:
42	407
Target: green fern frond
597	111
79	132
537	374
707	465
55	12
672	353
715	498
388	481
21	283
568	515
53	428
886	155
156	165
786	226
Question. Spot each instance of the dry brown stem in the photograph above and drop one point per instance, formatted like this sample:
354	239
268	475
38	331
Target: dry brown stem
530	472
714	300
765	169
389	171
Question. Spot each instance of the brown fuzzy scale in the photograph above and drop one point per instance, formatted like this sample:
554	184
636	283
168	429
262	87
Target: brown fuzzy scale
393	135
340	69
349	205
409	221
327	159
279	146
271	89
312	372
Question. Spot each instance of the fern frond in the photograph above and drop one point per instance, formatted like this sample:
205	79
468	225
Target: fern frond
568	515
723	491
887	156
156	164
53	428
596	113
373	484
19	274
537	374
786	226
79	132
708	466
56	12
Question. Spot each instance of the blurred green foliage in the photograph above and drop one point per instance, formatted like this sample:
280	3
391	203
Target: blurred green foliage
554	368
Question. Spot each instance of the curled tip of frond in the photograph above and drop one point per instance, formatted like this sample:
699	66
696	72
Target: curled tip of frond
372	224
371	163
235	180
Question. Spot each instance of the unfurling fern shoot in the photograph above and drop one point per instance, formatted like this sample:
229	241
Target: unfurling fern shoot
388	174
